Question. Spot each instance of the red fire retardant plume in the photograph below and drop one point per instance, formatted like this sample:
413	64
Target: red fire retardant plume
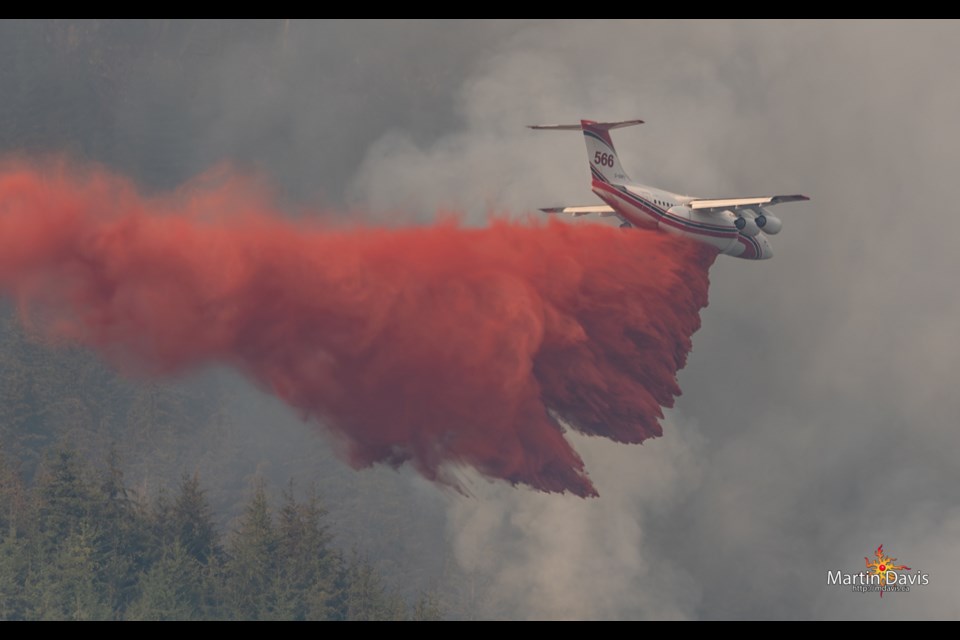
427	345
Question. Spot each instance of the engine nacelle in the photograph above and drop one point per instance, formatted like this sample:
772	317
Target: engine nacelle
770	224
746	226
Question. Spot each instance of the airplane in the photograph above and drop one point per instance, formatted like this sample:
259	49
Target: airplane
735	226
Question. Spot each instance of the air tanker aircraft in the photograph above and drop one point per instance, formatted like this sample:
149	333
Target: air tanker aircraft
736	226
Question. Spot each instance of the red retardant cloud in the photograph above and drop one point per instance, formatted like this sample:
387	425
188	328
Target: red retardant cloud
429	345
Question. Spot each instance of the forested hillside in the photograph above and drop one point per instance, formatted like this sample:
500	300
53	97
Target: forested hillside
79	541
80	545
127	497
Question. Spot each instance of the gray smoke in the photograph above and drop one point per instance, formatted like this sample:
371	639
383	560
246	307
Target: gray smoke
818	393
819	415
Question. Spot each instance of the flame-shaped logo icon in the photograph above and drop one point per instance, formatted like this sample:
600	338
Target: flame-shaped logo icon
881	565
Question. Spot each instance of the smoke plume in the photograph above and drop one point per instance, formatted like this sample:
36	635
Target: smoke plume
429	345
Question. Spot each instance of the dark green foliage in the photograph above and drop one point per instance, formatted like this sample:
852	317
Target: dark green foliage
367	598
192	520
307	585
78	539
80	545
251	567
172	589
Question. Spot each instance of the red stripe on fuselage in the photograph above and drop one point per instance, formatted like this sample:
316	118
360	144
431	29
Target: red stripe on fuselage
657	216
752	250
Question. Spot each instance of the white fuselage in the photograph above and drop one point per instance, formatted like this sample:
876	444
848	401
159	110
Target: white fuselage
735	226
650	208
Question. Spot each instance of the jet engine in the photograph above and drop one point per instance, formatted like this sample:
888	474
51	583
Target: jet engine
770	224
746	226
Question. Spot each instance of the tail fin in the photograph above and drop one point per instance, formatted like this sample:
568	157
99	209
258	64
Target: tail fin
601	156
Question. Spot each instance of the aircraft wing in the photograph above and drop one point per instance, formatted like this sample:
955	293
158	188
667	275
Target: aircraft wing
724	204
597	210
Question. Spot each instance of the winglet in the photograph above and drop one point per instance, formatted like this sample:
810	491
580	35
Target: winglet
794	198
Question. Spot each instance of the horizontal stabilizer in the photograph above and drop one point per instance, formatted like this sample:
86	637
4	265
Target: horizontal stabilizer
597	210
606	126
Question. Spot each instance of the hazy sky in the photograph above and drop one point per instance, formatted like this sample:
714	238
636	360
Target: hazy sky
819	417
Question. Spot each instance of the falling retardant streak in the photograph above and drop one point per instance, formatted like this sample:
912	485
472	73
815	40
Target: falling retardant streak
430	345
